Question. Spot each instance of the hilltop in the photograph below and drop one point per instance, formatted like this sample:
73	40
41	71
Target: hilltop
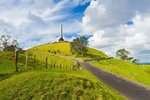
63	48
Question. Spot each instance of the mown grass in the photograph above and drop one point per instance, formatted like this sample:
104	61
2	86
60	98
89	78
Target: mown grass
63	48
140	73
55	58
56	84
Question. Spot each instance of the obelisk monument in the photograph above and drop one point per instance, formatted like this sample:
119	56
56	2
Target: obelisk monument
61	33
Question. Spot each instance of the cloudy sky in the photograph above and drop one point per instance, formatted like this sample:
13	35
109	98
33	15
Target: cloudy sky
109	24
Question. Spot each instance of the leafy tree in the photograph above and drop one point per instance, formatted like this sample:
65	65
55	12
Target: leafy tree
20	50
7	45
79	46
4	41
130	59
122	54
135	61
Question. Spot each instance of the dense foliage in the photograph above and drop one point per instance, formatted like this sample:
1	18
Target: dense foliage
124	55
79	46
7	44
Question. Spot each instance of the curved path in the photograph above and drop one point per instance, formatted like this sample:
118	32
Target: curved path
131	90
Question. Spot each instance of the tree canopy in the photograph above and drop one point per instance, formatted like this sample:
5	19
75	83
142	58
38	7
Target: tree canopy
122	54
6	44
79	46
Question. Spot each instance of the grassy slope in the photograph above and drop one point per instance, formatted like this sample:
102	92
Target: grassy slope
138	73
53	47
56	84
59	60
120	67
6	65
52	83
49	49
64	47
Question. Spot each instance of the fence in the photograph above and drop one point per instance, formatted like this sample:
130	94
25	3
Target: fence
34	61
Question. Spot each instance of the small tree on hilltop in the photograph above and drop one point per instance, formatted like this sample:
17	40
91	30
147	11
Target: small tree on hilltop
122	54
79	46
130	59
135	61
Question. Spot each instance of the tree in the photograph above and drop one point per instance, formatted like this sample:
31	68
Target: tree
135	61
4	41
122	54
79	46
7	45
130	59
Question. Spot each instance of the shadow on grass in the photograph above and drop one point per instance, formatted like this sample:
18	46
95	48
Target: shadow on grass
5	76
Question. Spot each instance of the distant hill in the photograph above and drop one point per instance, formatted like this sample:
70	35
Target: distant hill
145	63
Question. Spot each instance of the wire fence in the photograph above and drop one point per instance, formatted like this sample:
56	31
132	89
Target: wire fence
30	61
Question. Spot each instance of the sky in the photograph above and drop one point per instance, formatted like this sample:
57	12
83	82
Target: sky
109	24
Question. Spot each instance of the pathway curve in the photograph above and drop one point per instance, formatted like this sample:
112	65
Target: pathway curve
131	90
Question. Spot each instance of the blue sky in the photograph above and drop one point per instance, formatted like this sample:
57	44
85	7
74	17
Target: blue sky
108	25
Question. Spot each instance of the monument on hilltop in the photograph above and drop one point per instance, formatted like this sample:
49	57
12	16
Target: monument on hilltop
61	34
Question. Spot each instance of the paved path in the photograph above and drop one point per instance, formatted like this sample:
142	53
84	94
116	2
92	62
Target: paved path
131	90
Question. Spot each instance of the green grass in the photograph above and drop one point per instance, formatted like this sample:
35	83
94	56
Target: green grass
54	58
63	48
6	65
56	84
140	73
50	83
125	69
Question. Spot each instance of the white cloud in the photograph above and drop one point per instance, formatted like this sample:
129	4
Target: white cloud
34	22
107	19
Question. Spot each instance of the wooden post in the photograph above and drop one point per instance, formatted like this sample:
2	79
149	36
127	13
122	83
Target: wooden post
78	65
16	60
46	61
26	67
54	64
60	66
34	61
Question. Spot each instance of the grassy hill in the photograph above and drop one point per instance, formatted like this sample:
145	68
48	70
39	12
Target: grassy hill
63	83
140	73
63	48
52	83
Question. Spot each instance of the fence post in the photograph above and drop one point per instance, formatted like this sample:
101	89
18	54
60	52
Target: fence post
34	61
16	60
26	61
78	65
54	64
46	61
60	66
